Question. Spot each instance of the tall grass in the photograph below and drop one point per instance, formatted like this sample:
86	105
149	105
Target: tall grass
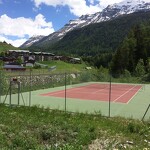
39	128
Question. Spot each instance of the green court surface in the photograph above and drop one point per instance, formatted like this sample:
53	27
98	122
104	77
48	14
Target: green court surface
135	108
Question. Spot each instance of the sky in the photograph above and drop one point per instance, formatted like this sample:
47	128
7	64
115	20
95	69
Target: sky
22	19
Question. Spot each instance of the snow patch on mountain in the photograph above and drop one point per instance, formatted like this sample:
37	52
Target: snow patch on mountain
33	39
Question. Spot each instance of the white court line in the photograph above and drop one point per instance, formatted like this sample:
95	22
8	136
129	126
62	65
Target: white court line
124	93
93	92
78	88
68	90
100	90
133	95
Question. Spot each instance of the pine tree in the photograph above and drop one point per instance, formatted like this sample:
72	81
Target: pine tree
140	68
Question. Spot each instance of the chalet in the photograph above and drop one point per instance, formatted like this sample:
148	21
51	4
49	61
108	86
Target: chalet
62	58
17	53
48	56
75	60
88	68
42	56
9	59
57	58
29	58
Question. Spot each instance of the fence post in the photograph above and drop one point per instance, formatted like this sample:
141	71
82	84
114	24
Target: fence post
10	91
30	89
109	94
146	112
0	85
65	91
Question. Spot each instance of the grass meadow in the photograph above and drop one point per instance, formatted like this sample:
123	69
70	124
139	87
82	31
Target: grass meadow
39	128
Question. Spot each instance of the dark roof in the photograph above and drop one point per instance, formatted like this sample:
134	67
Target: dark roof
13	67
13	63
42	53
19	51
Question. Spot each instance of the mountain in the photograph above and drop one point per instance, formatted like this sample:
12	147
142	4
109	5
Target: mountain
32	40
97	38
109	13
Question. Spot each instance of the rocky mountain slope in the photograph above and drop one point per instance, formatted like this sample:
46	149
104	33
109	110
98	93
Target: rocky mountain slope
109	13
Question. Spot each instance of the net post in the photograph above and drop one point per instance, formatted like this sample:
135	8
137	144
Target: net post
14	83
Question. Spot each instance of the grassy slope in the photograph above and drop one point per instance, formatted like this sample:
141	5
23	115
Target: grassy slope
4	47
37	128
60	65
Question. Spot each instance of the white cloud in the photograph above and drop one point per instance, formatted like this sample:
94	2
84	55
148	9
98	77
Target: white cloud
24	26
15	43
148	1
105	3
77	7
80	8
91	1
21	27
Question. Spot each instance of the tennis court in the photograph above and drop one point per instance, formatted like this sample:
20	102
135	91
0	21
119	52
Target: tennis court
117	93
119	99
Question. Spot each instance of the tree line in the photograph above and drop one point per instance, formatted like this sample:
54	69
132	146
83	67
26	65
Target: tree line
133	53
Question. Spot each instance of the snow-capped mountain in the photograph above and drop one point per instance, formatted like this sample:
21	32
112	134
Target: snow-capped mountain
32	40
110	12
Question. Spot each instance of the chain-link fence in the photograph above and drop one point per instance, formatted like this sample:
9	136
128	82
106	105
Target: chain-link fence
87	91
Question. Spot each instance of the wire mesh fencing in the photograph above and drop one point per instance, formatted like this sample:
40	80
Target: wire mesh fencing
85	91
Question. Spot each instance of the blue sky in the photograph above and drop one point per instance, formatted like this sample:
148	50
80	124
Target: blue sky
22	19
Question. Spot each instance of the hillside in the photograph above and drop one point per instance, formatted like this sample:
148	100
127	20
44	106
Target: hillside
39	128
5	46
96	38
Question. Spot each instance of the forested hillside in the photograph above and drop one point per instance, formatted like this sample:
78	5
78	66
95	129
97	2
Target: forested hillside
96	38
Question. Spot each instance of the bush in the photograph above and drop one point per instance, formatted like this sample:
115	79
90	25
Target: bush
37	67
3	84
85	76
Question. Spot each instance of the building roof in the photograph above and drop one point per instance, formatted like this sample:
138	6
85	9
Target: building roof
42	53
36	53
77	59
13	67
42	65
24	51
